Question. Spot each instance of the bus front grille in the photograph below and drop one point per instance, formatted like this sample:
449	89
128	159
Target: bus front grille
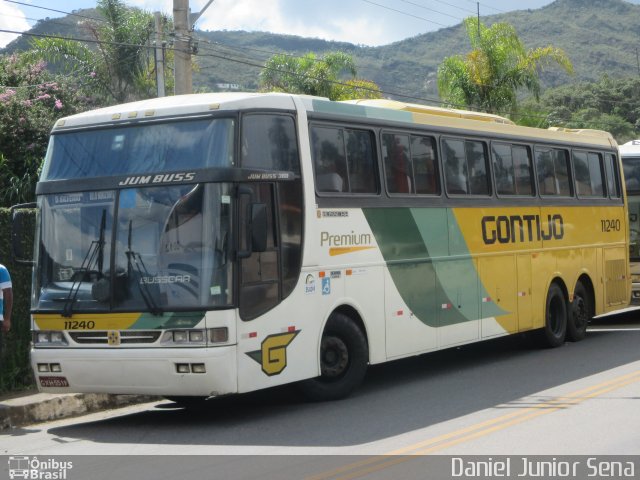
126	337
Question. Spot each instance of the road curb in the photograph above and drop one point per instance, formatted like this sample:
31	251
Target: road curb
42	407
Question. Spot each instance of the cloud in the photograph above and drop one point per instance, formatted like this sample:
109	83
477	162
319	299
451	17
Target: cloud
11	18
284	17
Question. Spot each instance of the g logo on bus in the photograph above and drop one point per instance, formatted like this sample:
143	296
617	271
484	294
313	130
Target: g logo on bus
113	337
272	355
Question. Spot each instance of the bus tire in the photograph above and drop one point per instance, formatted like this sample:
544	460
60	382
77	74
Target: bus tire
580	315
555	323
344	355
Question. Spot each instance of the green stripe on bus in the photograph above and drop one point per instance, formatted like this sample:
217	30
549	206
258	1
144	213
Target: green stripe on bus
440	293
148	321
336	108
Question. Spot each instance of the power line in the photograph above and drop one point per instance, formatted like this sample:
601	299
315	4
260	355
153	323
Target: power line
405	13
87	40
430	9
456	6
487	6
54	10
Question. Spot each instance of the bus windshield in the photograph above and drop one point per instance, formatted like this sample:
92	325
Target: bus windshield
165	248
142	148
631	167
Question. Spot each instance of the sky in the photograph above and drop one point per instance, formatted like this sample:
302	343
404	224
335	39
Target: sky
363	22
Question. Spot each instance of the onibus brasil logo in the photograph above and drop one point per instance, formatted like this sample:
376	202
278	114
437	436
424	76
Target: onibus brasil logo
36	469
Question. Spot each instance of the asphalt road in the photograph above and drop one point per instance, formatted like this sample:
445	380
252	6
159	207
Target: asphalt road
502	397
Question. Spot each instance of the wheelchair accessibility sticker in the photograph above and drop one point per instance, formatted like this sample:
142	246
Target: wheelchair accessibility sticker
326	286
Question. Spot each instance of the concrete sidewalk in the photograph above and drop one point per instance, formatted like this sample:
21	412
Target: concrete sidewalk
33	407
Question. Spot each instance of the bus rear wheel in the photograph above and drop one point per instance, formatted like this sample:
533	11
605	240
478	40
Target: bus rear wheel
344	355
556	313
581	313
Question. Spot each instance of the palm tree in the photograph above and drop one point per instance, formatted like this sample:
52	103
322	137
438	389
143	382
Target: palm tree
119	68
317	76
498	65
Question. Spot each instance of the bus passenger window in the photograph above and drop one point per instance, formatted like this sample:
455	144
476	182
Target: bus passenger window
512	169
465	167
455	166
477	168
613	182
397	164
423	158
583	180
595	174
361	162
329	159
553	171
344	160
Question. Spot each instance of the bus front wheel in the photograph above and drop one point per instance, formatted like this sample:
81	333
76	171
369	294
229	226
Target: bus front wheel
344	355
556	313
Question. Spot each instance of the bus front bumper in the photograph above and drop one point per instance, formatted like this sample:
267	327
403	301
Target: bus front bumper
162	371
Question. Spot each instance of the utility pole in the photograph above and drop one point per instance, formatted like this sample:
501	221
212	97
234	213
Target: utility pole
183	21
159	51
182	47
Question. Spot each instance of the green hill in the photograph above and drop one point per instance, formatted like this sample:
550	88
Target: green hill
599	36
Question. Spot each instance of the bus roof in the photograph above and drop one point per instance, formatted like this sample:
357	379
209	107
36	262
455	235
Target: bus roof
389	110
630	148
176	105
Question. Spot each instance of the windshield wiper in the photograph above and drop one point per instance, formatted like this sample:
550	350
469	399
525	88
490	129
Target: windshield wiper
94	253
134	259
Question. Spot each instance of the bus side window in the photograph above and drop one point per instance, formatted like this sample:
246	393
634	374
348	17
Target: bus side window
269	142
465	163
344	160
553	171
477	168
423	158
455	166
583	180
329	159
596	173
396	163
613	180
512	169
361	161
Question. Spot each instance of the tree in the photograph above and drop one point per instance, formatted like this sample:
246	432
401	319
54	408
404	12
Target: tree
119	67
608	104
31	100
498	66
322	77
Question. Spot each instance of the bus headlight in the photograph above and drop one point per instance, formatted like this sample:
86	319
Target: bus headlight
49	338
180	336
195	337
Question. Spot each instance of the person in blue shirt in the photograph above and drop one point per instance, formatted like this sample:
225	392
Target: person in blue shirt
6	301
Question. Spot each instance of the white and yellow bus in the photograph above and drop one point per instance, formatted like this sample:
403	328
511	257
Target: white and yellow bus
213	244
630	156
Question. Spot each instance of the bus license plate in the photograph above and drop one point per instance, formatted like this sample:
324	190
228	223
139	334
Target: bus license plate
53	382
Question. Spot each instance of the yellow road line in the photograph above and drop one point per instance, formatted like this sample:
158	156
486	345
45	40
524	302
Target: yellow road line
478	430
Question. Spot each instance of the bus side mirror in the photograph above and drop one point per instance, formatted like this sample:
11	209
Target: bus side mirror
23	221
258	227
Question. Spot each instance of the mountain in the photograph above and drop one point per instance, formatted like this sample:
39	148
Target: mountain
599	36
